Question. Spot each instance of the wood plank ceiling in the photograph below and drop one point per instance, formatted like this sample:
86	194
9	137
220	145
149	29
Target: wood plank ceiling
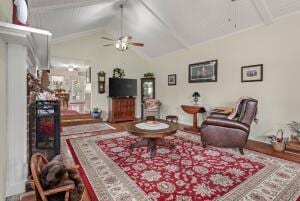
164	26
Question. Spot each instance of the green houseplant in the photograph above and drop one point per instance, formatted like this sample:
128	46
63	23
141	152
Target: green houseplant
295	128
149	75
118	73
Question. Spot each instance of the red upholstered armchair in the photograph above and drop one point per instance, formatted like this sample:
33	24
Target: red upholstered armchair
151	108
232	131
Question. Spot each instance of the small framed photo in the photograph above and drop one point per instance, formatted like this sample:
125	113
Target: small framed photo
203	72
252	73
172	79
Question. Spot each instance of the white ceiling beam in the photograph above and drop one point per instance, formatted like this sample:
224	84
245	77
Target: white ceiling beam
263	11
43	9
77	35
170	29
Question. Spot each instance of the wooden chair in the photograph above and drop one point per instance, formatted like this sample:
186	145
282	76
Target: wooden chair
38	161
151	108
172	118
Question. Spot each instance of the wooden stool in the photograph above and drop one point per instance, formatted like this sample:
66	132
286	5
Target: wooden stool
150	118
172	118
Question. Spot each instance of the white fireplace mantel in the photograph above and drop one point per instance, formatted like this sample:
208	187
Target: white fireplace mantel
36	41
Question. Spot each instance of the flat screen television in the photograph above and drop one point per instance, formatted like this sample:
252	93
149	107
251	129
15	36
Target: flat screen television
119	87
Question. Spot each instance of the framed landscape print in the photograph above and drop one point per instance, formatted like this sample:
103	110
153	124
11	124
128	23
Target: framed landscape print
252	73
203	72
172	79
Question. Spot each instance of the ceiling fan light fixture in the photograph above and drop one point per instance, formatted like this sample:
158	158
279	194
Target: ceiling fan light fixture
124	46
120	45
71	68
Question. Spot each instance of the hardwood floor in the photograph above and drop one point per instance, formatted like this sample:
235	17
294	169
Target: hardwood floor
268	149
252	145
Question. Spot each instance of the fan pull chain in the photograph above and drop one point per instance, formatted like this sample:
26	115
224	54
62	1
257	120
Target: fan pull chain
229	11
121	6
230	4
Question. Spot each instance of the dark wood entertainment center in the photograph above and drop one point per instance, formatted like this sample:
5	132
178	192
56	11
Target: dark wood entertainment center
121	109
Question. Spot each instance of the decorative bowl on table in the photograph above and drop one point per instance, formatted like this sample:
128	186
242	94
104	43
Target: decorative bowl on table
152	123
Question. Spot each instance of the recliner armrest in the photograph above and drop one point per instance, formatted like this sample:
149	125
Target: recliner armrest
223	122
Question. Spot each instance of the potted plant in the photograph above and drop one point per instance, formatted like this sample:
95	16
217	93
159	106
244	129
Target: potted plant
96	113
295	128
118	73
196	96
149	75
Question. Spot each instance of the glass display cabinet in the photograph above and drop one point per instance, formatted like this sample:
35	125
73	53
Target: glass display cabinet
147	91
147	88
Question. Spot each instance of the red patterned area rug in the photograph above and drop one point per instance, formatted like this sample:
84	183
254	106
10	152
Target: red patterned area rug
189	172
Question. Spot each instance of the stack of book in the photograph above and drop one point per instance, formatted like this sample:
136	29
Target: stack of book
293	147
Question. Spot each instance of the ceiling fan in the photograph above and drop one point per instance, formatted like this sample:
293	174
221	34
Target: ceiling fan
73	68
123	41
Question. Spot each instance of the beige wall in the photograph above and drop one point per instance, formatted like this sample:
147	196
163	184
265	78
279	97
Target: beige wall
6	10
2	120
90	49
277	46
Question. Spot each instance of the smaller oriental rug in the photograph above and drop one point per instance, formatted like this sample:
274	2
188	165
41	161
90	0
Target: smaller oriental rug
189	172
86	128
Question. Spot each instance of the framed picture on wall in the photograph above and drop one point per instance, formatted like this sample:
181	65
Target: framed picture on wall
252	73
203	72
88	75
172	79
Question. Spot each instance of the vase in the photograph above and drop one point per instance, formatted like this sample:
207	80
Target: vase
196	99
96	115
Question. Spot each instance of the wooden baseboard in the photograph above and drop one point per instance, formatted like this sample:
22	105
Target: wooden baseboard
268	149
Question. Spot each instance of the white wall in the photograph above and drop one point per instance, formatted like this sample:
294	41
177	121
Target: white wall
90	48
2	119
6	10
277	46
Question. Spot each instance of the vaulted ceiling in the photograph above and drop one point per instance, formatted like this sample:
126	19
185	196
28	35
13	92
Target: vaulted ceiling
163	25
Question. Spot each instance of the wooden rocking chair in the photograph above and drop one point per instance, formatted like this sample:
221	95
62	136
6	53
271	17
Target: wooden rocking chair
38	161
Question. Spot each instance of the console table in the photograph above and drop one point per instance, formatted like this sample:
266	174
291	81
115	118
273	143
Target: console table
194	110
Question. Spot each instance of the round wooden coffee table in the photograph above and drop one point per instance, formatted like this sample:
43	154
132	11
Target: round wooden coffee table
152	136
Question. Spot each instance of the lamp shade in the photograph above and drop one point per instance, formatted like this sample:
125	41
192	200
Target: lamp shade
196	94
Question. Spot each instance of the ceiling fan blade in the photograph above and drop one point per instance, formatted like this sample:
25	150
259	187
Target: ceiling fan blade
108	45
136	44
105	38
